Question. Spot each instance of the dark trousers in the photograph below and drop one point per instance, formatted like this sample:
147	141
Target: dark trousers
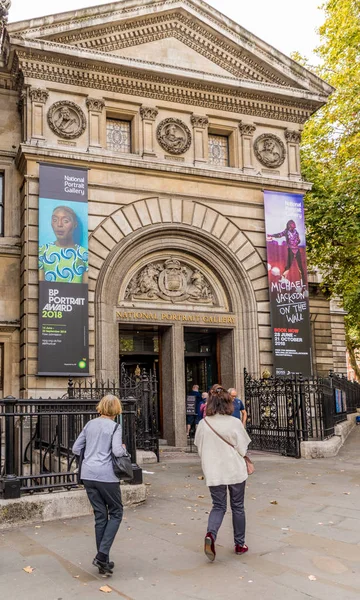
105	498
290	259
219	499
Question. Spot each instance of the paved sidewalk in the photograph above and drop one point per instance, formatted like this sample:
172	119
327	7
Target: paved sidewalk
313	530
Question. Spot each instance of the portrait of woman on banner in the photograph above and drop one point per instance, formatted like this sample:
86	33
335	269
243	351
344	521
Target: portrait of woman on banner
63	259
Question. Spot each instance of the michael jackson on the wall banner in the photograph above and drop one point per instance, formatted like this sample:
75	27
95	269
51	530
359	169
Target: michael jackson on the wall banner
63	271
288	282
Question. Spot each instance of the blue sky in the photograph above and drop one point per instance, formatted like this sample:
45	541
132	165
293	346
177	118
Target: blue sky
288	25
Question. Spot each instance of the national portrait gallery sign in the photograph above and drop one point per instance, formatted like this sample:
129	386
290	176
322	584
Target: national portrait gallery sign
224	320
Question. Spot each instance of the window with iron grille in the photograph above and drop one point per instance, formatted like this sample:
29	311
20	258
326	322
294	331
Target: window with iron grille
218	150
118	135
2	204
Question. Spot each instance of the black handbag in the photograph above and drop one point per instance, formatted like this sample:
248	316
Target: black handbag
122	465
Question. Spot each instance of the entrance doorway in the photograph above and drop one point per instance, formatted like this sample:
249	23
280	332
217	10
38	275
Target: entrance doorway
201	358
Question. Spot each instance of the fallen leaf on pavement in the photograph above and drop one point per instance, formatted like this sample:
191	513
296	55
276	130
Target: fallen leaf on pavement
106	589
312	577
201	496
76	576
28	569
347	493
273	501
37	526
172	523
179	534
201	477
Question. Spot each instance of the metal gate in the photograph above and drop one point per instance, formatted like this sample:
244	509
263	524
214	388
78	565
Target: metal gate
272	415
143	387
283	412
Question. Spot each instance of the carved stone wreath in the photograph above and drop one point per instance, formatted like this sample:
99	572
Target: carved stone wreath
173	136
269	150
66	119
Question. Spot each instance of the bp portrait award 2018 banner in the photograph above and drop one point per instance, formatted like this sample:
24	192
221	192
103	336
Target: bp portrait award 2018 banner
288	282
63	271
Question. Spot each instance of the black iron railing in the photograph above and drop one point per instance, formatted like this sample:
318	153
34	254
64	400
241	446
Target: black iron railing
36	439
283	412
142	388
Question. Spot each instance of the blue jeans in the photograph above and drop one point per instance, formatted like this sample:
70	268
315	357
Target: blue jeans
105	499
219	499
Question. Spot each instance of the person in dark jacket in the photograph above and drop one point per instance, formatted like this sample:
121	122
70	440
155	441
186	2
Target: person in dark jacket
101	484
192	420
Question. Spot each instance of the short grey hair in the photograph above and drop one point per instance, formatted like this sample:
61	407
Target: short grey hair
232	390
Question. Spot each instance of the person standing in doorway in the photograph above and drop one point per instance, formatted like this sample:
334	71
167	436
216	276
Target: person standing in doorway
98	438
222	443
239	408
192	420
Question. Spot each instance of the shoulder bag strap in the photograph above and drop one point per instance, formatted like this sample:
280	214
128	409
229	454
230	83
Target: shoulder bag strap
218	434
112	435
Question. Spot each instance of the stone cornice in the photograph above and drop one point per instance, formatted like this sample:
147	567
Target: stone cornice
197	10
250	101
107	159
67	55
115	37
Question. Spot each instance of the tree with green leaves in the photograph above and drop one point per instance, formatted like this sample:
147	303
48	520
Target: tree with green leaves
330	155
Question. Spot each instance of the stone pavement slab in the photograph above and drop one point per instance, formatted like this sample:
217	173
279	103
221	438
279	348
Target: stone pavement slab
312	530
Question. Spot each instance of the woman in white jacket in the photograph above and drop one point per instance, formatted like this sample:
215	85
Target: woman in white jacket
222	443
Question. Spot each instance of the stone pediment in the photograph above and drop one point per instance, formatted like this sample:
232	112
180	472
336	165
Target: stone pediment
183	37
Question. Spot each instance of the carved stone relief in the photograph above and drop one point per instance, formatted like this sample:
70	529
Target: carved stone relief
149	113
292	136
95	104
38	95
199	121
269	150
173	136
247	129
66	119
172	281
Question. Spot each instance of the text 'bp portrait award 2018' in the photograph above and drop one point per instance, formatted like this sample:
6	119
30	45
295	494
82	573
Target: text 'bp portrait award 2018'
63	271
288	282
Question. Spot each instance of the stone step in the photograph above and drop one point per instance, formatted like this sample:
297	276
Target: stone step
177	449
163	442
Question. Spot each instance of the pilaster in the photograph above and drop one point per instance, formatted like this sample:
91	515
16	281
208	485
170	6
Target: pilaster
247	133
95	107
200	137
38	98
293	152
148	115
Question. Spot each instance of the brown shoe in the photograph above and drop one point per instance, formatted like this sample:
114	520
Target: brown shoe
209	546
241	549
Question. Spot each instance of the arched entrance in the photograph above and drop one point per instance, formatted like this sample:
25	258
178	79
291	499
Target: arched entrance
185	291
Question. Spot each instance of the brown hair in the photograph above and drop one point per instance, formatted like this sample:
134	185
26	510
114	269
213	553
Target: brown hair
219	402
109	406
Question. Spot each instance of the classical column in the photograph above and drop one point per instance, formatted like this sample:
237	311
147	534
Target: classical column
293	151
148	115
95	107
247	132
200	128
38	98
173	385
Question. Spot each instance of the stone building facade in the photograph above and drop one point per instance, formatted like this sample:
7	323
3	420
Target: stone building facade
183	118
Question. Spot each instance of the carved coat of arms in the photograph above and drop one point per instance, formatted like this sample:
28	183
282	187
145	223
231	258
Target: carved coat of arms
170	281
